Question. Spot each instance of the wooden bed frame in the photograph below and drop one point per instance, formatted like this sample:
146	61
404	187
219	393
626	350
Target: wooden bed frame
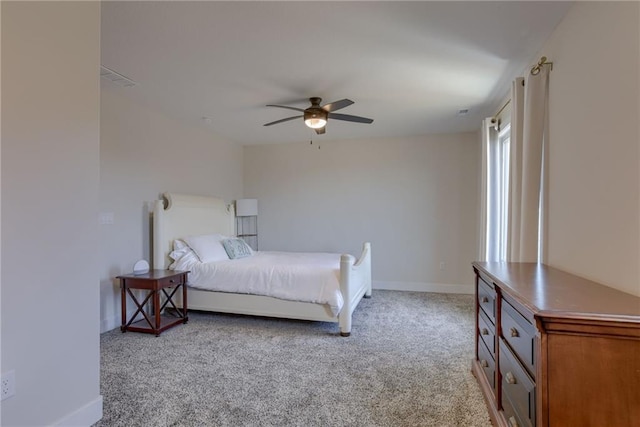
181	215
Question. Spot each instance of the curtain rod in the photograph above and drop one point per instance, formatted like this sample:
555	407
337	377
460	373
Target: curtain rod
535	70
495	116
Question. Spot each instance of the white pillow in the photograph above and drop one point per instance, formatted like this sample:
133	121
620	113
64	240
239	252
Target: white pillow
179	244
208	247
181	250
184	259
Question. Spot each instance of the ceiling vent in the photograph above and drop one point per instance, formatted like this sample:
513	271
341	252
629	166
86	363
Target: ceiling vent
117	78
462	112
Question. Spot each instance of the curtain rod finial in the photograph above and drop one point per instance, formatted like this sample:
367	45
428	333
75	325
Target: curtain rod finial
535	70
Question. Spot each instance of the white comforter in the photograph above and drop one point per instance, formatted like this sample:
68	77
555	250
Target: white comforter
307	277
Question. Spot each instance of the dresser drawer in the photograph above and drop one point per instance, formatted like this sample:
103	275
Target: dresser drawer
518	390
487	332
510	414
520	334
487	299
487	363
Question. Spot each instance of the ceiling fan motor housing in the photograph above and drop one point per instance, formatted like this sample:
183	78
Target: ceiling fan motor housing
315	113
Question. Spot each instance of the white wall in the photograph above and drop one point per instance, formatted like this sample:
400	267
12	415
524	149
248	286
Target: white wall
594	177
413	198
144	153
1	370
50	149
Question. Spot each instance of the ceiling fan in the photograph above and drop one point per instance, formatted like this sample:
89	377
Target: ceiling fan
316	116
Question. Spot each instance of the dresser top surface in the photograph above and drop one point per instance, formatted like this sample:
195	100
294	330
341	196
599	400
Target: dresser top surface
545	289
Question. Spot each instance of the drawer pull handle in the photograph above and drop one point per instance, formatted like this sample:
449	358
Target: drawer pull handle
514	332
485	331
484	363
484	299
513	422
510	378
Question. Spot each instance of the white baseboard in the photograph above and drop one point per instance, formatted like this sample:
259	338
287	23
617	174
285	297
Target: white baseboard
115	322
108	324
86	416
424	287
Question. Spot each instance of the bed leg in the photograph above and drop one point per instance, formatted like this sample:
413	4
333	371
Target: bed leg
345	324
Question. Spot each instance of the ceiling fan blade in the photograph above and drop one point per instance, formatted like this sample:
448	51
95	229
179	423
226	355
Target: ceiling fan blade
321	130
349	118
288	108
337	105
282	120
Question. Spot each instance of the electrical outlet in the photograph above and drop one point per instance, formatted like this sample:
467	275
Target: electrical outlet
443	266
8	385
106	218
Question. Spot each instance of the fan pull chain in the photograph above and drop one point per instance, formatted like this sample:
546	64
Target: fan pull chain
311	141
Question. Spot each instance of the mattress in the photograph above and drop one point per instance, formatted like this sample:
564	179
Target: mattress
293	276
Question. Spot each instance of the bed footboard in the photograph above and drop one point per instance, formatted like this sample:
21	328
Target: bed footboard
355	283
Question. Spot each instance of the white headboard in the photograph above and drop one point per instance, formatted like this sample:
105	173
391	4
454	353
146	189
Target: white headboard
181	215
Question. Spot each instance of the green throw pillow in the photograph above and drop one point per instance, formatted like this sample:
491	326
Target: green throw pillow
236	248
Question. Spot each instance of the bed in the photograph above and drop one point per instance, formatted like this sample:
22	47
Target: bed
179	215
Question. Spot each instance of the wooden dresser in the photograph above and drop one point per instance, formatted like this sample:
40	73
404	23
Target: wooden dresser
556	350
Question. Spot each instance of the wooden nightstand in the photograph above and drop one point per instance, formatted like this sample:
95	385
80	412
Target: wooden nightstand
157	282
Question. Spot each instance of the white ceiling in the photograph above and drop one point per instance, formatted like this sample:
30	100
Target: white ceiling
408	65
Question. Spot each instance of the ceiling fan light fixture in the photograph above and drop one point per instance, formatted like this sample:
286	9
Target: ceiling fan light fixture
315	122
315	117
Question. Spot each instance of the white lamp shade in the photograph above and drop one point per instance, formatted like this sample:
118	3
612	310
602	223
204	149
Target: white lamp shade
247	207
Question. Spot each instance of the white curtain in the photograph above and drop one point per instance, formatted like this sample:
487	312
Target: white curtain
515	178
528	139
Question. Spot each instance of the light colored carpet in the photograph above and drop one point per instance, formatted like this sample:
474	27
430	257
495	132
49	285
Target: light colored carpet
407	363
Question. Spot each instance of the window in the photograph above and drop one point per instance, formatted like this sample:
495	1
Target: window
498	191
